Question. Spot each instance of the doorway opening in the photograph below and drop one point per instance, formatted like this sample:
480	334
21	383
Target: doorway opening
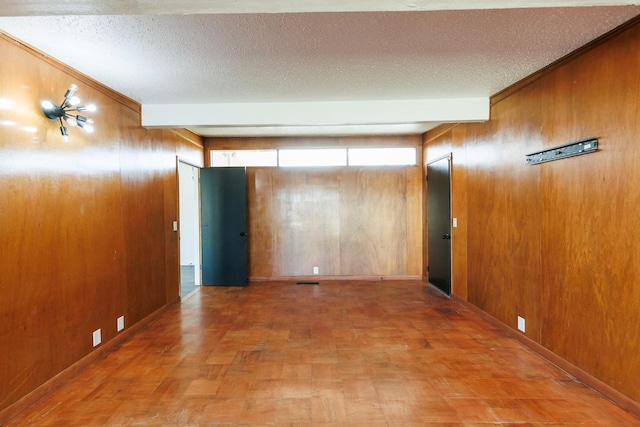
439	224
189	205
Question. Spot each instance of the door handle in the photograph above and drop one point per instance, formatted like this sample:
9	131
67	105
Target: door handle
243	234
446	237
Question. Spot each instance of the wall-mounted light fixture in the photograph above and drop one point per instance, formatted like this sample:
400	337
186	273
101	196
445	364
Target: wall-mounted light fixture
66	110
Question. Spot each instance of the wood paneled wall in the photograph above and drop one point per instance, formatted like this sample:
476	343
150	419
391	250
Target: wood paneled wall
557	243
85	226
357	222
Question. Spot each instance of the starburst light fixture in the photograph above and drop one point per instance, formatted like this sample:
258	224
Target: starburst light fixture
68	110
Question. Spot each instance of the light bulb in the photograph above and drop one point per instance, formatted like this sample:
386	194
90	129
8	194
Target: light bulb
69	93
91	107
71	120
47	105
89	128
74	100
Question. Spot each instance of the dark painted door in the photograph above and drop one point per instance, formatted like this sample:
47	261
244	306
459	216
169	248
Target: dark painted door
439	223
224	226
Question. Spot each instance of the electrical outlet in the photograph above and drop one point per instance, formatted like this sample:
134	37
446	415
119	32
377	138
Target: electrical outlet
315	270
521	324
120	323
97	337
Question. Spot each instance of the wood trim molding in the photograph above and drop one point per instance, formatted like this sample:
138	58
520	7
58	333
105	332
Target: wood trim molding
437	132
562	61
116	96
189	136
318	278
606	390
65	375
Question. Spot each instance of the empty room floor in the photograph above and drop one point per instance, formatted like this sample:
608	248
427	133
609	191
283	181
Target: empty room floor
335	354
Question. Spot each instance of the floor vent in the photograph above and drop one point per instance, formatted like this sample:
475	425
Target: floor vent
307	283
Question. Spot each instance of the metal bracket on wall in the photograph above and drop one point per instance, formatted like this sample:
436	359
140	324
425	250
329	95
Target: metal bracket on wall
585	146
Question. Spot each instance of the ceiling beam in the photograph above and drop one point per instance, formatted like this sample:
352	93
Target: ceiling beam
155	7
337	116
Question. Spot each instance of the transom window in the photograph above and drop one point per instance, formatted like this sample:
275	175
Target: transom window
222	158
316	157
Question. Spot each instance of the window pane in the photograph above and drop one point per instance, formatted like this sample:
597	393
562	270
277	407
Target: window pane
314	157
399	156
221	158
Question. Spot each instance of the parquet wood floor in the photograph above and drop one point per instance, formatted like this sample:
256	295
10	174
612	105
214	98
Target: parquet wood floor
338	354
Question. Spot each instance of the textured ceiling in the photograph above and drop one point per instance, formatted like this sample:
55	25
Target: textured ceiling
302	59
179	7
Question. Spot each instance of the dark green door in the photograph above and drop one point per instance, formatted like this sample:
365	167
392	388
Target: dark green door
224	226
439	223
